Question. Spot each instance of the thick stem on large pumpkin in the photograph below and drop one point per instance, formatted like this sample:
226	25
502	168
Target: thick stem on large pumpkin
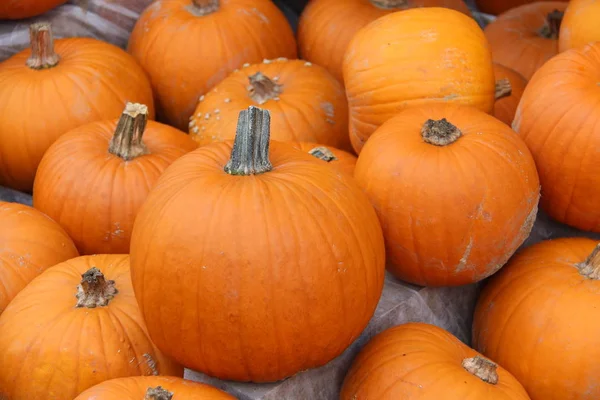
503	88
94	290
127	141
590	268
482	368
158	393
551	28
323	153
250	153
440	132
203	7
42	47
390	4
262	89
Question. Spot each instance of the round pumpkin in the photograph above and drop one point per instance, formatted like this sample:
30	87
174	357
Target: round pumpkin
456	192
188	46
524	38
580	24
411	58
496	7
278	258
74	326
326	27
421	361
94	179
557	118
31	242
55	87
20	9
538	318
341	160
509	89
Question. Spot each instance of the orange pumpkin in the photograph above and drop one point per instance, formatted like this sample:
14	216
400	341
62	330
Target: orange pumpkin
557	119
456	192
509	89
415	57
280	264
496	7
49	90
538	318
188	46
74	326
19	9
524	38
31	242
326	27
421	361
340	160
94	179
580	24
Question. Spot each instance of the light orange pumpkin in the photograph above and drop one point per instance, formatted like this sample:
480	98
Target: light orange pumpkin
496	7
339	159
580	24
509	89
20	9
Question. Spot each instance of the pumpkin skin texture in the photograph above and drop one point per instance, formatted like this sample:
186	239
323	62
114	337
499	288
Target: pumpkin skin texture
20	9
448	222
579	25
326	27
443	56
53	349
186	53
80	163
556	118
341	160
419	361
294	251
31	242
506	107
496	7
537	318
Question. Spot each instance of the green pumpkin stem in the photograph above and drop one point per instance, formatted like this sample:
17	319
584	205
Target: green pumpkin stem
250	153
203	7
323	153
262	88
503	88
482	368
440	132
551	28
158	393
94	290
127	141
590	268
42	47
390	4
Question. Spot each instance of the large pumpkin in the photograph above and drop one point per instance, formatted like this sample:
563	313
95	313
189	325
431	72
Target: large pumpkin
456	192
56	87
580	24
188	46
31	242
326	27
19	9
415	57
306	104
278	258
419	361
539	319
496	7
509	89
339	159
558	119
74	326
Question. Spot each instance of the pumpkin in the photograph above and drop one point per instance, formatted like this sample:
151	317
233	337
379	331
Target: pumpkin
421	361
280	265
557	119
509	89
456	192
31	242
56	87
580	24
538	318
341	160
496	7
74	326
19	9
94	179
326	27
188	46
411	58
525	37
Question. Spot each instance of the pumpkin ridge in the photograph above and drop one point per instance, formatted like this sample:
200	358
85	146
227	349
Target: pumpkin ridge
158	393
440	132
200	8
127	141
42	55
482	368
262	89
94	290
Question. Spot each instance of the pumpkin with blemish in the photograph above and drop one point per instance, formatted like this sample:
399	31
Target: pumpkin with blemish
580	24
339	159
509	89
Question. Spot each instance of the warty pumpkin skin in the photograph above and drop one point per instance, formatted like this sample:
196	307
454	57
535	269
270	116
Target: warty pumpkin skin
411	58
509	89
188	46
74	326
31	242
20	9
580	24
496	7
419	361
456	192
538	317
339	159
280	264
56	87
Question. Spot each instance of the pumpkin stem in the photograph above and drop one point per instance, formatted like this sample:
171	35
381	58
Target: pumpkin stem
552	26
482	368
158	393
440	132
203	7
42	47
94	290
127	141
590	268
390	4
250	153
262	89
503	88
323	153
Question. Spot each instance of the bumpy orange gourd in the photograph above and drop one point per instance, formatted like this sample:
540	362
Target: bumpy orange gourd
94	179
278	258
74	326
538	319
30	243
419	361
557	117
339	159
19	9
496	7
525	37
56	87
188	46
326	27
306	104
456	192
580	24
414	57
509	89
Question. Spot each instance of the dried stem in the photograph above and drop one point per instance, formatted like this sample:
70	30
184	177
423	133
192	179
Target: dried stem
482	368
503	88
440	132
42	47
323	153
390	4
203	7
590	268
127	141
158	393
551	28
262	89
94	290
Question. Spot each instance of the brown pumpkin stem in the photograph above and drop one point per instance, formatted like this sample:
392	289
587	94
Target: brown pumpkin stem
250	153
323	153
590	268
440	132
42	47
551	28
94	290
158	393
127	141
390	4
262	89
203	7
503	88
482	368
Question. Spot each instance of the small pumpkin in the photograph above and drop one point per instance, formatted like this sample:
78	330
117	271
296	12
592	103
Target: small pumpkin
509	89
456	192
339	159
421	361
20	9
496	7
580	24
94	179
74	326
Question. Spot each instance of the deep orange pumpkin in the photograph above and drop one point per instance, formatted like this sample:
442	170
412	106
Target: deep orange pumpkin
509	89
19	9
496	7
339	159
580	25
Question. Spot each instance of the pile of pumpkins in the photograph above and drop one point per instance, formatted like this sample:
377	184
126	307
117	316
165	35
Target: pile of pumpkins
209	200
